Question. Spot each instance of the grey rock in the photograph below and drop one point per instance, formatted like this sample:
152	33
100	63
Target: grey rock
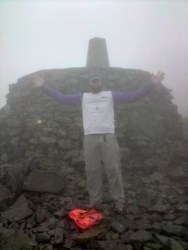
106	245
51	232
181	220
134	210
7	232
18	211
183	244
142	143
24	240
177	174
58	236
157	177
155	226
142	224
125	237
60	213
48	247
155	217
33	141
159	208
115	236
16	239
40	215
15	141
44	182
21	202
12	175
174	229
141	236
129	224
6	196
20	240
4	157
74	134
125	247
147	248
154	246
146	203
61	224
113	77
48	140
175	245
41	229
90	234
170	217
16	214
162	238
183	208
14	123
29	226
69	243
42	237
64	144
52	222
118	226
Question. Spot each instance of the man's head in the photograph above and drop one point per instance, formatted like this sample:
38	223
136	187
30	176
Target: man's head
95	83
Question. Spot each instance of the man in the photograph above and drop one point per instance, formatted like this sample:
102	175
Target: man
100	143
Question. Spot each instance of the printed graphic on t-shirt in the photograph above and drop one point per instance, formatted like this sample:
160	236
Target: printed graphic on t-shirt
97	104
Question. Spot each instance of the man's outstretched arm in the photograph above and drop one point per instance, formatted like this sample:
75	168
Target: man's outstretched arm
73	99
129	97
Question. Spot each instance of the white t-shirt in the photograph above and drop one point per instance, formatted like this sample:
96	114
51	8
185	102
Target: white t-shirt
98	113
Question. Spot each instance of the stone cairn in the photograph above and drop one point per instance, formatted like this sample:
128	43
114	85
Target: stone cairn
42	166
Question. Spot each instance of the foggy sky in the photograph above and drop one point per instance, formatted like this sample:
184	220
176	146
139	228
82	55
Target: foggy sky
46	34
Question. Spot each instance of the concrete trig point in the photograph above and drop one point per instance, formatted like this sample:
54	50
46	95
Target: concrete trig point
97	55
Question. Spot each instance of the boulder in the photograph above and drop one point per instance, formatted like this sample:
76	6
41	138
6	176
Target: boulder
44	182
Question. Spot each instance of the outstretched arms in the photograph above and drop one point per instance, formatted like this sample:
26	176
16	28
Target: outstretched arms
128	97
73	99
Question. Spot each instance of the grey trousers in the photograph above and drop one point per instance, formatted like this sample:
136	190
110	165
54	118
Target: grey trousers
103	148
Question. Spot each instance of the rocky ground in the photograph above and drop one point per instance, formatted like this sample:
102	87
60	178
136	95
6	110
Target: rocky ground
156	215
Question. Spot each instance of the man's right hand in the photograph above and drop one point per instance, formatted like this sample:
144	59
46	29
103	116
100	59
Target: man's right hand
38	80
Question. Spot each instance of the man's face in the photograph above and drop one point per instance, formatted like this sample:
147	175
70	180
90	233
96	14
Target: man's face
95	84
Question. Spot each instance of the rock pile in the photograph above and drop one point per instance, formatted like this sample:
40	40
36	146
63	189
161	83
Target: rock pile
33	126
41	158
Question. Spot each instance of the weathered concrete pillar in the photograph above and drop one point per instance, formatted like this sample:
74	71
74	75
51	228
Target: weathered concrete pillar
97	55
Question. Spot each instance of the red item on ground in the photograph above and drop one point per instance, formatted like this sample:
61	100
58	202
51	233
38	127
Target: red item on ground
85	219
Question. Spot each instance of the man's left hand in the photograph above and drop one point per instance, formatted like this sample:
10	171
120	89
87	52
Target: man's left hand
158	77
